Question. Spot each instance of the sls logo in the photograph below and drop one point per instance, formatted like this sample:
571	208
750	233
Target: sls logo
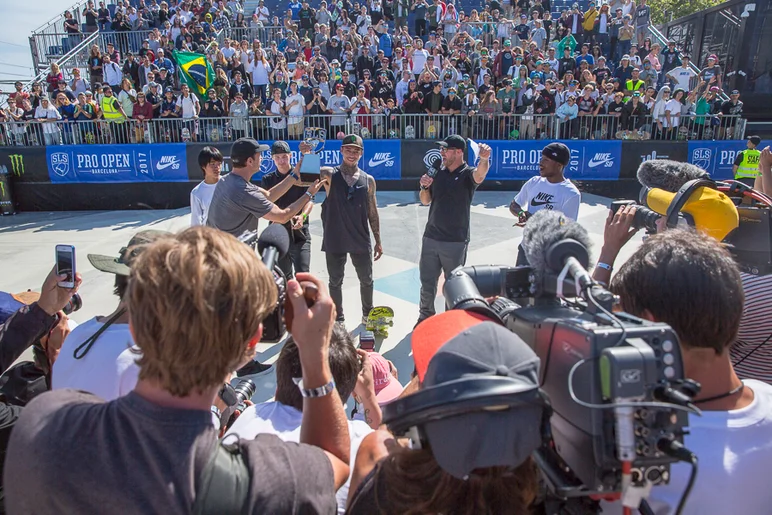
701	157
266	163
433	160
601	158
652	156
168	161
381	158
60	163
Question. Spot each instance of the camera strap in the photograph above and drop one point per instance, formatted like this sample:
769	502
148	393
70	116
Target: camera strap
86	346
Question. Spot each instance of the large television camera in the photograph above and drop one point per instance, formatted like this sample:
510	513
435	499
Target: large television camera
615	382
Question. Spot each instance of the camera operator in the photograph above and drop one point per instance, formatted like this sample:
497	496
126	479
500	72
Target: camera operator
30	324
765	168
284	416
476	461
549	190
237	204
197	301
99	356
690	282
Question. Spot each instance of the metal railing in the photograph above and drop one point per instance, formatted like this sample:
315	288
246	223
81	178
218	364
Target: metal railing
372	126
264	34
49	41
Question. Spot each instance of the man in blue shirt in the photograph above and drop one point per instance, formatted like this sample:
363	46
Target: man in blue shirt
584	56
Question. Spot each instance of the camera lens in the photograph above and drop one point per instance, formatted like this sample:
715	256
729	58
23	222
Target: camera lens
245	390
74	305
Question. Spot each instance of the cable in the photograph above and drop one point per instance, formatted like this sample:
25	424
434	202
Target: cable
662	405
613	318
676	449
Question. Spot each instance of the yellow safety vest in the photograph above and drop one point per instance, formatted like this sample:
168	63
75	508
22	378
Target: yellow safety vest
109	110
749	166
634	87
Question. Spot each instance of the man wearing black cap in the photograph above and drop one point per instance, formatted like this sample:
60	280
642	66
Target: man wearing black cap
448	192
299	255
550	190
746	164
347	211
237	204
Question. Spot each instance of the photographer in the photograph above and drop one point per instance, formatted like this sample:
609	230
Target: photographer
30	324
690	282
99	356
284	416
237	204
195	316
476	461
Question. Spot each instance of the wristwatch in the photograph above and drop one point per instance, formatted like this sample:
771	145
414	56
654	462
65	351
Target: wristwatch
316	392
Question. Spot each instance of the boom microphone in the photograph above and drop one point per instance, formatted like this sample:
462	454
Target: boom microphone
668	175
552	241
273	244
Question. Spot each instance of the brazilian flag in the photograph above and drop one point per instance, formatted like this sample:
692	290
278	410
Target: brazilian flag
195	71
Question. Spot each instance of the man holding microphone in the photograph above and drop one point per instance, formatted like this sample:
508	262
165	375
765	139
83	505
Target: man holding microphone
448	193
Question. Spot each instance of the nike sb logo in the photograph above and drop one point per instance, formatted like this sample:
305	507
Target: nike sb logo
543	199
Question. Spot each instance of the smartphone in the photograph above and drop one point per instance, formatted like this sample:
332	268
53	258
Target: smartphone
367	341
65	265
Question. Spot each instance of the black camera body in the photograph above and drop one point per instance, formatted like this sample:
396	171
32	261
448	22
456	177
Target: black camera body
595	370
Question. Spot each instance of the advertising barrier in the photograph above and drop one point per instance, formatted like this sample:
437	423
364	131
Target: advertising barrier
24	164
117	163
636	152
717	157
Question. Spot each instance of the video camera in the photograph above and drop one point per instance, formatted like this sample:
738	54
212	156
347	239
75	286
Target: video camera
617	397
684	186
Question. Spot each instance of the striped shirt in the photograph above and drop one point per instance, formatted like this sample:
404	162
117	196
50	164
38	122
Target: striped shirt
752	352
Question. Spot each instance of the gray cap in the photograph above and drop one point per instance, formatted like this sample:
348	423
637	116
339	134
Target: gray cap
486	438
121	265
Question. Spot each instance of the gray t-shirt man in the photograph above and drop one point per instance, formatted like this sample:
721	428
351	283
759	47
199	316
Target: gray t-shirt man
131	456
237	205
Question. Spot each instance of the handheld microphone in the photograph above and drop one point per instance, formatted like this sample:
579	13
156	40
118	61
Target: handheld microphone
551	241
273	244
668	175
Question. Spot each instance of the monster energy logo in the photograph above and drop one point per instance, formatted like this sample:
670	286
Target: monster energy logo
17	164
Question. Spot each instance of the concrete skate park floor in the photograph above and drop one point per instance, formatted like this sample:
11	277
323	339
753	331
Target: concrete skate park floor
27	243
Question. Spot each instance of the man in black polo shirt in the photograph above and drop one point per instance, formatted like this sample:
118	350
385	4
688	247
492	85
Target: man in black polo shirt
449	194
348	213
299	255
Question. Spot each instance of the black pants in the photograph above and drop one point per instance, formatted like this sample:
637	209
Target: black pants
363	264
420	27
436	257
298	258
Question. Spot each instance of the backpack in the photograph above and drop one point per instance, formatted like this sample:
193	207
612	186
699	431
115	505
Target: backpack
224	482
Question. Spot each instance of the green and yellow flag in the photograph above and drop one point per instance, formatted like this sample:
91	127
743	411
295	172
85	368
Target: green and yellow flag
196	71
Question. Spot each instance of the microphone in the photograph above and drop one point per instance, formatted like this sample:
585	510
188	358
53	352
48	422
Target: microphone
273	244
668	175
551	242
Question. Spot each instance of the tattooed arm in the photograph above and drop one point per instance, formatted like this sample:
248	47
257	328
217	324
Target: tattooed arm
372	216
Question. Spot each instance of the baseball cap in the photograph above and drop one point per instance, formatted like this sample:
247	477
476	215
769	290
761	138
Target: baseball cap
507	42
121	265
713	56
625	57
387	387
483	354
244	148
756	140
735	92
713	212
280	147
715	88
352	140
453	141
435	331
557	152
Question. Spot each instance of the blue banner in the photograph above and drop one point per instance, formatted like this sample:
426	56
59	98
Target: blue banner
117	163
381	158
590	160
717	157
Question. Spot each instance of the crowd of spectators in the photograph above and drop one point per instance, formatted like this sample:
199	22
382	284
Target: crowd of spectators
505	71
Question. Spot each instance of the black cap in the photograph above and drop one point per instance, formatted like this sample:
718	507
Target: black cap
453	141
755	140
244	148
352	140
557	152
280	147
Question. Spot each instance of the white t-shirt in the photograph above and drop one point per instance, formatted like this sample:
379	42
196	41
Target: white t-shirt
109	369
419	60
284	421
734	449
682	77
538	193
200	198
296	111
188	105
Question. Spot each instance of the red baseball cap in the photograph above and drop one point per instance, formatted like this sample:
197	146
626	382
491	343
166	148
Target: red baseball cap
436	331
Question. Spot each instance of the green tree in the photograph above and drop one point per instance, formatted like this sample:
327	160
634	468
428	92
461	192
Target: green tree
663	11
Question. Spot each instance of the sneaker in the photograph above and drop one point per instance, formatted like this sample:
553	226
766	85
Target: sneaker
253	368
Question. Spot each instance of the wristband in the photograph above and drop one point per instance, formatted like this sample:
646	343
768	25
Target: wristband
313	393
605	266
310	195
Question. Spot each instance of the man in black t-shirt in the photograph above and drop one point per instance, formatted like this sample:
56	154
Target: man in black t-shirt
449	192
299	255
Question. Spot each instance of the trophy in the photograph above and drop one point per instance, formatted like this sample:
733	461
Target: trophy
315	137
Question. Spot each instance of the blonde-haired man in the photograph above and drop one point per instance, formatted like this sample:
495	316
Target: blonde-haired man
197	301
